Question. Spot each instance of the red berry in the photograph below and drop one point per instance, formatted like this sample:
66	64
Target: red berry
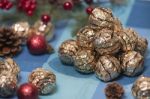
30	13
1	5
68	6
89	1
9	5
27	91
37	44
89	10
45	18
32	7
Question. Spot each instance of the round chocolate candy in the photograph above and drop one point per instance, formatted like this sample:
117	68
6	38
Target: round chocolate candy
132	63
117	26
9	65
141	45
141	88
44	80
106	42
44	29
84	61
128	38
67	51
8	84
101	18
107	68
21	29
85	37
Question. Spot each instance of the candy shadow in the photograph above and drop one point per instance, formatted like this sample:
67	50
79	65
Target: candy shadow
66	69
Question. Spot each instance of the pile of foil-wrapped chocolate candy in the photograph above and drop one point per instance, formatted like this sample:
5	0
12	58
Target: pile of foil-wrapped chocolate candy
44	80
105	47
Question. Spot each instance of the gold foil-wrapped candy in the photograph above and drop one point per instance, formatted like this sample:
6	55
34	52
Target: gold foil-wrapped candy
141	45
101	17
128	39
8	84
67	51
132	63
84	61
45	29
21	29
107	68
9	65
118	28
85	37
141	88
44	80
106	42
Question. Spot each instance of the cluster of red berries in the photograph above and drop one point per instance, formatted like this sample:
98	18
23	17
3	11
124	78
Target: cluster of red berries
69	5
5	4
27	6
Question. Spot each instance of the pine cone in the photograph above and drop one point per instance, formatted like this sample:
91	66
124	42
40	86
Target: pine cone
9	42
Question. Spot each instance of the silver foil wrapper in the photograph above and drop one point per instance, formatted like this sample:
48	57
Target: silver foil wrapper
107	68
132	63
106	42
128	39
21	29
141	45
8	84
44	29
84	61
85	37
101	18
141	88
9	65
67	51
44	80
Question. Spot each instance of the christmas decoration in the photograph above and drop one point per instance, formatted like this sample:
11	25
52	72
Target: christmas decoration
9	65
68	6
107	68
141	88
104	46
37	45
44	29
89	10
27	91
132	63
45	18
21	29
44	80
8	84
6	4
84	61
114	91
67	51
9	42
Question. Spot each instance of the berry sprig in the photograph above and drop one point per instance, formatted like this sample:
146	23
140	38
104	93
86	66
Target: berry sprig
6	4
28	6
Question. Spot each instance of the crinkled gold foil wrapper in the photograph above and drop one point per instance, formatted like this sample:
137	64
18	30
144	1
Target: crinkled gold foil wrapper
118	28
107	68
132	63
44	80
67	51
141	45
85	37
128	39
141	88
9	65
101	17
106	42
84	61
8	84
